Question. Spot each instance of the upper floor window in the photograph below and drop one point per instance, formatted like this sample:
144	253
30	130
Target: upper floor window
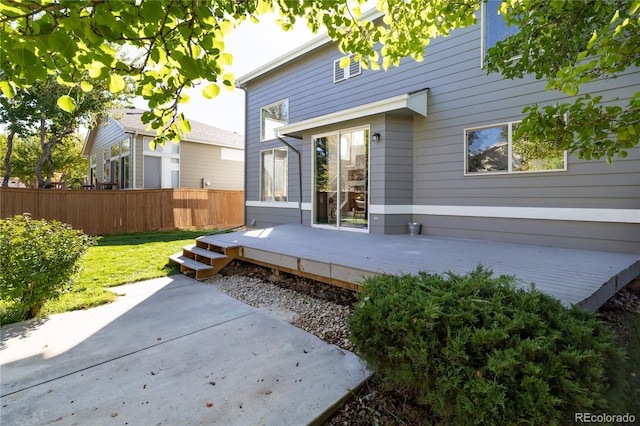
339	73
494	28
494	149
271	117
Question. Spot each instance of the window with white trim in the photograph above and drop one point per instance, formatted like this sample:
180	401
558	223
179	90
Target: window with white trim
271	117
494	28
494	149
340	74
161	166
274	175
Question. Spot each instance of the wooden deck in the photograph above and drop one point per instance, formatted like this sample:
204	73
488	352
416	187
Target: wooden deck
583	277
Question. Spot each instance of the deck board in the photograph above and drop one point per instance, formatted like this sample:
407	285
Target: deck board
584	277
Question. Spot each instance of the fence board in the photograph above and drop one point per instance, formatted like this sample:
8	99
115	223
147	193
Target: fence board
114	212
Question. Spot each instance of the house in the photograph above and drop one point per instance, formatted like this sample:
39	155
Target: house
428	142
119	151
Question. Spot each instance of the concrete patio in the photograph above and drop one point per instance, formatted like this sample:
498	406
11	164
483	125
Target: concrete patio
170	351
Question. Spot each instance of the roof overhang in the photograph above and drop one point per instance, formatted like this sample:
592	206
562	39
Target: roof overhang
313	44
415	102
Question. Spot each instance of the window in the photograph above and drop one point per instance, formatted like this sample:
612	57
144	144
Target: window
340	74
271	117
494	28
105	167
119	163
93	168
274	175
231	154
493	149
161	165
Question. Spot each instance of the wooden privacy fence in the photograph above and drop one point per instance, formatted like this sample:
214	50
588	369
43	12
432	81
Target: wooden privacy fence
137	210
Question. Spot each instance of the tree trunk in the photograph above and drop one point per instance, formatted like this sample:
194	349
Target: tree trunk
41	183
47	156
7	159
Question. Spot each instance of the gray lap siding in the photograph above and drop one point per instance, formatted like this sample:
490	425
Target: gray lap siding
420	160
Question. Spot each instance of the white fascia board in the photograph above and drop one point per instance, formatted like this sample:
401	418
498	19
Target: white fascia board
538	213
281	60
309	46
416	102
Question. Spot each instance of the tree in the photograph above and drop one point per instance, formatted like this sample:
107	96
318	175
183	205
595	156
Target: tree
182	44
70	166
36	111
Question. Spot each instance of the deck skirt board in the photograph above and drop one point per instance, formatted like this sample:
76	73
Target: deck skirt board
584	277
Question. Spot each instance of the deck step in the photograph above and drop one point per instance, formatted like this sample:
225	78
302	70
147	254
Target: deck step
183	260
204	252
211	239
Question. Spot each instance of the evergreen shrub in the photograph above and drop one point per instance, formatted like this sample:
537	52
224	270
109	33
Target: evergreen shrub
477	349
37	260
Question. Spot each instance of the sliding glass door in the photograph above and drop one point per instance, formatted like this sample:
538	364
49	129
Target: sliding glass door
341	193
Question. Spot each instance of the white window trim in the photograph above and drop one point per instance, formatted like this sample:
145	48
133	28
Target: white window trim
509	170
287	178
262	135
483	36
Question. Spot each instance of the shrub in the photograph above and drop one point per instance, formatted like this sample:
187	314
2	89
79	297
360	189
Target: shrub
37	260
478	350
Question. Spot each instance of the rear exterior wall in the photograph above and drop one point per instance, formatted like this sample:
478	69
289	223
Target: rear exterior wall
419	165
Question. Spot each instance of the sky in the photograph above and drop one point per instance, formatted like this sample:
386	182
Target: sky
252	45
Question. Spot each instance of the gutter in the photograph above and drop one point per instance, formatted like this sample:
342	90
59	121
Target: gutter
299	173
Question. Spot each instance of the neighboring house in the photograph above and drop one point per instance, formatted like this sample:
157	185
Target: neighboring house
118	150
428	142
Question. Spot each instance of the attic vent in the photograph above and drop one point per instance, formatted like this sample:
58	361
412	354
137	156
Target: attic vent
352	70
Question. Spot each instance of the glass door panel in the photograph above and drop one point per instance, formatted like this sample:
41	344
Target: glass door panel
341	179
354	179
326	180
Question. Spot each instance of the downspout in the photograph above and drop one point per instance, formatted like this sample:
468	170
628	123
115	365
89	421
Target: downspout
246	111
299	173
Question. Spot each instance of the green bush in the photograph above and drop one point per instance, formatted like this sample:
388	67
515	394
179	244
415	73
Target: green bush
37	260
478	350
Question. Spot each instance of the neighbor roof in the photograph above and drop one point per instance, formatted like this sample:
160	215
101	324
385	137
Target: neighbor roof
129	119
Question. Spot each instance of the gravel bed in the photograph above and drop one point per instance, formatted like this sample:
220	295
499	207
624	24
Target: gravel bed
306	304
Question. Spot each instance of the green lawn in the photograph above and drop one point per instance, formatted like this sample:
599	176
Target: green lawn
121	259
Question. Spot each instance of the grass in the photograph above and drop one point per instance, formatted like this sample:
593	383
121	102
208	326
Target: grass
117	260
625	393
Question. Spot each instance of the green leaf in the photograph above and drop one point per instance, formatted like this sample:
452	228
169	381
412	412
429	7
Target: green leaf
60	41
211	91
116	83
7	89
183	124
66	103
96	69
592	40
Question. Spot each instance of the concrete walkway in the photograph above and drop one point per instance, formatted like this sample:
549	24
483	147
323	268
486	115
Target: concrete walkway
172	351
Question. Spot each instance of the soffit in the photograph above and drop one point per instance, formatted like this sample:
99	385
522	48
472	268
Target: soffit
414	102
